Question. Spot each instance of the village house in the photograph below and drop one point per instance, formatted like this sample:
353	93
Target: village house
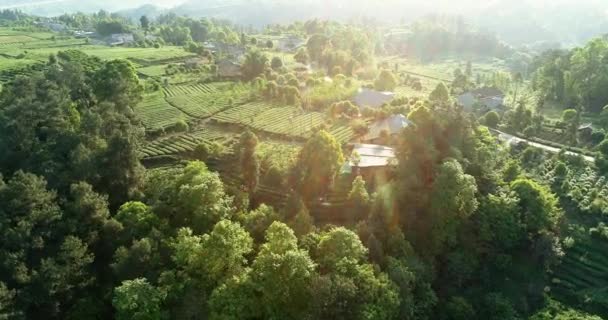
487	97
372	98
585	130
194	63
290	43
119	39
228	69
231	51
80	34
375	163
301	68
381	131
53	26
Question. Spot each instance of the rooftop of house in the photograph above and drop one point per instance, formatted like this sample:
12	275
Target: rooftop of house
371	155
392	125
372	98
488	92
585	126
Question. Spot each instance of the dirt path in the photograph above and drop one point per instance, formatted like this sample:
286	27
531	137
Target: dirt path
511	139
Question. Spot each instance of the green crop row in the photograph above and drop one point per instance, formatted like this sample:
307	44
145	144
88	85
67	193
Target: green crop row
182	143
157	114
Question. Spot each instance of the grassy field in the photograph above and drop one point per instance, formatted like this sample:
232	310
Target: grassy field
443	70
142	56
553	110
431	74
153	71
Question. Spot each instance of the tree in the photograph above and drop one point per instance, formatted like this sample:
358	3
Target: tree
250	165
277	63
316	46
200	29
521	118
538	206
257	221
254	65
349	288
303	223
191	197
86	214
145	23
318	163
517	79
108	27
386	81
469	69
137	219
177	35
603	148
440	94
491	119
499	222
215	257
43	266
137	300
282	274
301	56
338	246
359	198
458	308
453	200
269	44
571	119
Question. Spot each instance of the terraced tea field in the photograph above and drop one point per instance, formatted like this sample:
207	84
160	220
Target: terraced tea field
288	121
242	114
157	114
342	133
11	68
141	56
8	40
283	120
189	89
202	101
183	142
582	278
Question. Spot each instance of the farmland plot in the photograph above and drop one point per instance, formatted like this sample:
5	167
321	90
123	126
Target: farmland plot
201	100
181	143
157	114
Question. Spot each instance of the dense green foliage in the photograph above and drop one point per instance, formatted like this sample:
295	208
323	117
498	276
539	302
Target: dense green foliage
242	210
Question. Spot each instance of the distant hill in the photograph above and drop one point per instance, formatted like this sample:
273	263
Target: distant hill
58	7
571	22
149	10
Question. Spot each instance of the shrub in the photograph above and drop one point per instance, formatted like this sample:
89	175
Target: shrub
181	126
386	81
276	63
359	127
491	119
343	107
275	177
597	137
201	151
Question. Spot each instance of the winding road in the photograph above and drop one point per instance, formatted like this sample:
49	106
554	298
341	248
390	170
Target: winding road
511	139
